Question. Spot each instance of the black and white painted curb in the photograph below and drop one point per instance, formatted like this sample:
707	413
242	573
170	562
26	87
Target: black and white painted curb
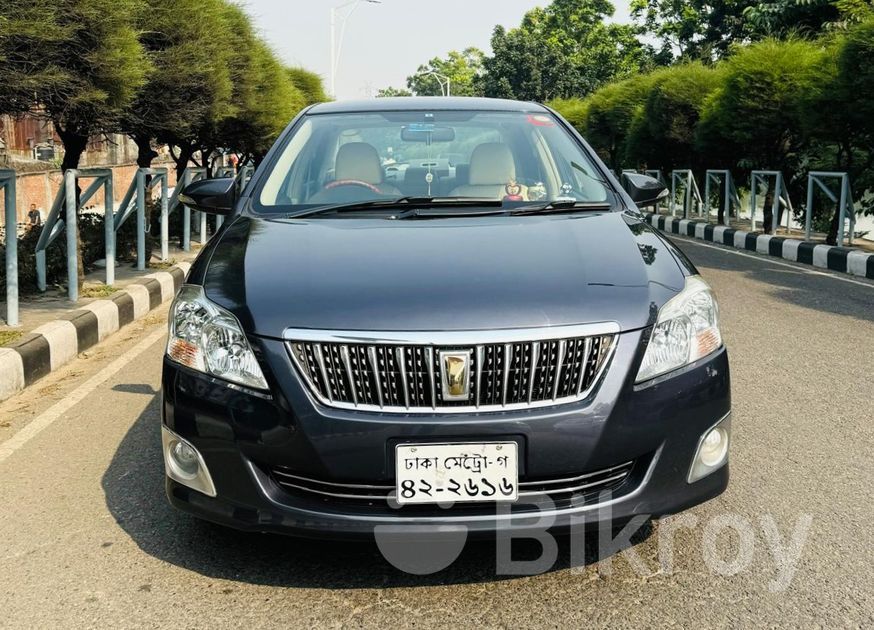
51	345
843	259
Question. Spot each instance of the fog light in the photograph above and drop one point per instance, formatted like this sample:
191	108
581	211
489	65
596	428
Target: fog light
184	464
185	457
712	451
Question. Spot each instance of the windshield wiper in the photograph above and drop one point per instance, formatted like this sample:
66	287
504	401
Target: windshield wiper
410	201
421	213
562	205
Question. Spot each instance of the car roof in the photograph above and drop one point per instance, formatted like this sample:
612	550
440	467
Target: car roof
425	103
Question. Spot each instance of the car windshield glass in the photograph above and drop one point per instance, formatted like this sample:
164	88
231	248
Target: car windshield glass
515	158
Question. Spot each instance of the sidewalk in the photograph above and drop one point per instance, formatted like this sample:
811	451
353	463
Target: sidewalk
54	330
36	309
852	260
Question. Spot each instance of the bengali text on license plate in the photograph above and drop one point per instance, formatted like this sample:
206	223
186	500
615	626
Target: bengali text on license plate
445	473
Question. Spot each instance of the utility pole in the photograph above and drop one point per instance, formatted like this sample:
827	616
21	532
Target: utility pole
337	42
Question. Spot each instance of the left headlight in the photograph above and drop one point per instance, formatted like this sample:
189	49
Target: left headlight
687	330
207	338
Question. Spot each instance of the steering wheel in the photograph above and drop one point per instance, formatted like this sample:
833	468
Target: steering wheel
352	182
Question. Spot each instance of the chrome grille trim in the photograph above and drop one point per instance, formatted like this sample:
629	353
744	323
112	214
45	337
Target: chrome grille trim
611	477
387	371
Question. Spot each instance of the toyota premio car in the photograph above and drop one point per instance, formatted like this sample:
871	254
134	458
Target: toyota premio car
439	312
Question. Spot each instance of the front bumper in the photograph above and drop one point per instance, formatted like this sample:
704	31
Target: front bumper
242	437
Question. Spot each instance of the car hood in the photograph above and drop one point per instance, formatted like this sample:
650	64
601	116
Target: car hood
442	274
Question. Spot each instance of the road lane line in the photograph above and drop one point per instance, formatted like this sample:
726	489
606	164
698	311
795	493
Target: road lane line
769	261
56	411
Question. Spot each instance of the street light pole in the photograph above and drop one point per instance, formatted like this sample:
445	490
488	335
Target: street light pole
442	79
337	43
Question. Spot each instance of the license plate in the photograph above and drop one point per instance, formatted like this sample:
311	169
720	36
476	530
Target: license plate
460	472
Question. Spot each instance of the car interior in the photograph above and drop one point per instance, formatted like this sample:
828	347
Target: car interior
343	163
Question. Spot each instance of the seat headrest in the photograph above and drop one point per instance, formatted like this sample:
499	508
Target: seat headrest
359	161
491	163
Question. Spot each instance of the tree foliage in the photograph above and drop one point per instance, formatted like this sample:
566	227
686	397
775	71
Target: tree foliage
392	91
565	49
662	132
754	117
708	29
191	74
463	70
309	84
191	83
79	62
609	113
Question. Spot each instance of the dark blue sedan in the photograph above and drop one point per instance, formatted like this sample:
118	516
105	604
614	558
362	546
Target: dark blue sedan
436	312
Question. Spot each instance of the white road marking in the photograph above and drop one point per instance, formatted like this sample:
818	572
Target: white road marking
56	411
835	275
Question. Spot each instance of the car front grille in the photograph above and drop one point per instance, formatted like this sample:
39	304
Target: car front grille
556	488
371	373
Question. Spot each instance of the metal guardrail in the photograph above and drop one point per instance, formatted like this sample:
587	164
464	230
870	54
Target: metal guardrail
134	200
844	199
721	178
757	177
63	214
66	201
686	179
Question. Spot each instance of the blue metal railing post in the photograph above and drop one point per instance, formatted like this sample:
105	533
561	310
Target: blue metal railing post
72	234
109	232
141	219
7	182
165	215
186	214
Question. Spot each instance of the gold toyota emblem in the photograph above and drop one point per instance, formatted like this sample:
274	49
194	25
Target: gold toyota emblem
456	375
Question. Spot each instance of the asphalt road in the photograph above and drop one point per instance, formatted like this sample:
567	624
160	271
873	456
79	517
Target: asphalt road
88	540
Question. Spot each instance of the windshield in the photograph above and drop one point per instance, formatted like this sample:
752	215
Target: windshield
508	157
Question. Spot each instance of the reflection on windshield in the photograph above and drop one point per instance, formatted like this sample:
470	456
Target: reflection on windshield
512	157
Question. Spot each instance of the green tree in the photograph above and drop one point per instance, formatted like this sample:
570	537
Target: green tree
754	119
566	49
78	62
840	123
662	131
707	29
461	68
309	84
263	98
190	88
697	29
609	115
392	91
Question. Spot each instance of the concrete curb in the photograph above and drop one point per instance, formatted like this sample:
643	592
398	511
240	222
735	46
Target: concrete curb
844	259
58	342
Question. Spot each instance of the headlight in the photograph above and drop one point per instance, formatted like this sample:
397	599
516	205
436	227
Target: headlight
687	330
209	339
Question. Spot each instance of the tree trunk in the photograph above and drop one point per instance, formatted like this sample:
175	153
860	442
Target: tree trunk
74	146
145	153
832	237
768	212
182	160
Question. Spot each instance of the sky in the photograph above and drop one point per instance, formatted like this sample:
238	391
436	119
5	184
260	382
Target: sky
384	43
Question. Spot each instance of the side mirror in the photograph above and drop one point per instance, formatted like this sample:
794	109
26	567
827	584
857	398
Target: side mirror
643	189
215	196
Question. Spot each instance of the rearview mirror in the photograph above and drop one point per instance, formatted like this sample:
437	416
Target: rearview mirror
643	189
426	132
215	196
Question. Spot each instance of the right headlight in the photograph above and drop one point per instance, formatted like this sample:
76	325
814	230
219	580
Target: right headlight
687	330
207	338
